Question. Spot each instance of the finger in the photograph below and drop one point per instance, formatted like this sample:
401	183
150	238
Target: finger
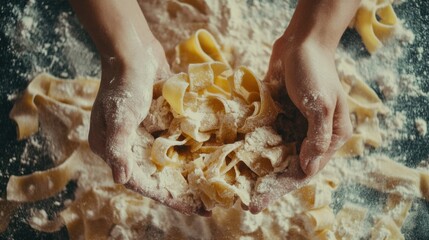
118	150
342	124
272	188
164	71
96	136
341	132
275	71
319	115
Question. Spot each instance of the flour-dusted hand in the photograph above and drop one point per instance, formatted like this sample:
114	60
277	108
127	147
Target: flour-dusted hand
304	59
131	60
313	85
122	103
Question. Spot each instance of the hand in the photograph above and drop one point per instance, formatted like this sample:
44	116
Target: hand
312	83
122	103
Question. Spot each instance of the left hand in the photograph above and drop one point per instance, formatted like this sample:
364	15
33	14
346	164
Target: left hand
312	83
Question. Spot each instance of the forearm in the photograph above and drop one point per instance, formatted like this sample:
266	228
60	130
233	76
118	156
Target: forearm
117	27
322	20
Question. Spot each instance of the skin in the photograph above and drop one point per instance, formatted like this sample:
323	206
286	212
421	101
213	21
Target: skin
132	59
303	57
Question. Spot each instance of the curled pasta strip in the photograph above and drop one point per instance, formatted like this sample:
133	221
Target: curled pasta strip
248	87
201	47
364	105
318	219
349	220
375	21
389	176
162	152
213	101
386	228
80	93
95	213
43	184
397	207
174	92
314	196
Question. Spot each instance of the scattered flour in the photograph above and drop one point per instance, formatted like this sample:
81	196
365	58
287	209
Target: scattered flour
247	32
388	84
421	126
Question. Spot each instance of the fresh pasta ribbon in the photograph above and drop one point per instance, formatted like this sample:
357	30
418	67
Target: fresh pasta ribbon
252	90
314	195
364	106
212	100
375	21
348	219
174	92
162	152
44	184
201	47
96	212
389	176
318	219
397	207
210	135
80	93
386	228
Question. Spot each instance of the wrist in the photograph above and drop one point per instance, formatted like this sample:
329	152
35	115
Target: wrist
140	60
293	47
299	38
127	52
322	21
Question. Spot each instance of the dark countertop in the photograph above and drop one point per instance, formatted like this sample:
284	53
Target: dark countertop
17	58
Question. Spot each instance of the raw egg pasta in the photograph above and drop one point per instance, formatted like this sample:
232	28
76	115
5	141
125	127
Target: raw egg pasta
375	21
210	134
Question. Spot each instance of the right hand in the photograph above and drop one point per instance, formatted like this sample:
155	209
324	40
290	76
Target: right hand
309	73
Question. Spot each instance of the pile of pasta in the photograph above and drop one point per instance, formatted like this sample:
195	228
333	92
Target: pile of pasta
211	132
220	137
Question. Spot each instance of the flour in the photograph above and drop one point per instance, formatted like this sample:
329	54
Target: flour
421	126
250	223
388	84
65	52
247	32
159	117
395	126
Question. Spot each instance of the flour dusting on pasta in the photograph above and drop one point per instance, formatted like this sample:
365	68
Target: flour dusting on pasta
245	32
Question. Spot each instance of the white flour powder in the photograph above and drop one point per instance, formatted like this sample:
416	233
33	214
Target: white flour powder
246	30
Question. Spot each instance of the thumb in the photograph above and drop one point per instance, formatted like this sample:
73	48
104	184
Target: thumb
118	151
318	139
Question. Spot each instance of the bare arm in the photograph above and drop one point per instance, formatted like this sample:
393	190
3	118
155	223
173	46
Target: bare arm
323	21
312	80
132	59
117	27
303	57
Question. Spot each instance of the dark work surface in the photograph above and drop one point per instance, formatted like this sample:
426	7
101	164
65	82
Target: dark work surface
414	12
